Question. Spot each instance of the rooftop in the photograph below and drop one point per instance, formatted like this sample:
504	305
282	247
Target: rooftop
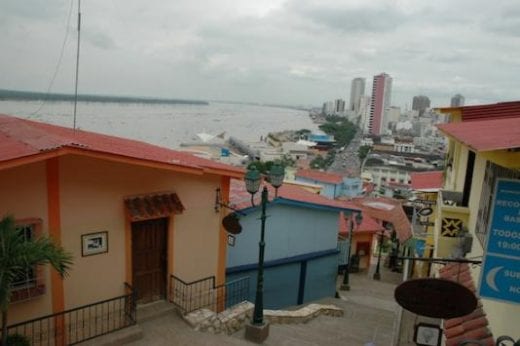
427	181
487	134
368	225
324	177
23	141
389	210
241	199
500	110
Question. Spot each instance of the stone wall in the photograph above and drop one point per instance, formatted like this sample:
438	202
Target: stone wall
235	318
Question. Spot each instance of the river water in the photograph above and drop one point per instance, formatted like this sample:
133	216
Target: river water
164	124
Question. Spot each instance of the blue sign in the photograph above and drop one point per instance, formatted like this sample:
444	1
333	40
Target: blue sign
500	277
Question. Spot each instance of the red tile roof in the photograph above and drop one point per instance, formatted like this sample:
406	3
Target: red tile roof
323	177
427	180
472	326
486	135
241	199
491	111
153	206
21	138
389	210
368	225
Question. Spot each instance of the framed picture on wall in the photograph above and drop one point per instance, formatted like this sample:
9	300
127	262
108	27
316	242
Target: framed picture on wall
94	243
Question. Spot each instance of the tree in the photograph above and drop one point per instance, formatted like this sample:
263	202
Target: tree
17	255
363	151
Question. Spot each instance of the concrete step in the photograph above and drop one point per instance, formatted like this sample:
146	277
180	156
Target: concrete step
152	311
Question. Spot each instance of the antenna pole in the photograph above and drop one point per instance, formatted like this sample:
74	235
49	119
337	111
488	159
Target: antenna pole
77	64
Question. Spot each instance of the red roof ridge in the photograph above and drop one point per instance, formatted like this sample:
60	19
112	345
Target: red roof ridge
21	138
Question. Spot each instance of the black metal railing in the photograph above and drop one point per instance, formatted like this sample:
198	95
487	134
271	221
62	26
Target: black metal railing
190	296
82	323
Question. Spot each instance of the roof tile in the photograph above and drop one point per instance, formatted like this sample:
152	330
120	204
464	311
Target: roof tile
473	325
323	177
22	138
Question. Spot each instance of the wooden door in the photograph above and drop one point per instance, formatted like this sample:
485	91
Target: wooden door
149	259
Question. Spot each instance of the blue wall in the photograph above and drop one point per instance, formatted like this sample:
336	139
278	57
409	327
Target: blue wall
328	190
289	231
301	256
284	284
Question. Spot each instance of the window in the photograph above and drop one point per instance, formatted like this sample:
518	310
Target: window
29	283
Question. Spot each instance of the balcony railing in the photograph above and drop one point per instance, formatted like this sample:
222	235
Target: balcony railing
190	296
80	324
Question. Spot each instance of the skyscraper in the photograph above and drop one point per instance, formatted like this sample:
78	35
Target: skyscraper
420	103
357	90
457	101
380	102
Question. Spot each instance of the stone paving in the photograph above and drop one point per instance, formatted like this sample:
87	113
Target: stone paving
368	319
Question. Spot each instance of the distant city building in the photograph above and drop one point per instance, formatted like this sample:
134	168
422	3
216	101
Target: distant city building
380	102
420	103
339	106
392	115
457	101
357	91
364	112
328	108
336	107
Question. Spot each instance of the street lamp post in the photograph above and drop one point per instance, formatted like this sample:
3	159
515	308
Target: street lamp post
258	330
377	274
345	286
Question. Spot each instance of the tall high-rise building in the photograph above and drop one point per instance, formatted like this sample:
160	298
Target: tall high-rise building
457	101
420	103
380	102
357	90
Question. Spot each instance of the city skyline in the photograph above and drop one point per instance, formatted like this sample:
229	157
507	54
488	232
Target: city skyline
275	52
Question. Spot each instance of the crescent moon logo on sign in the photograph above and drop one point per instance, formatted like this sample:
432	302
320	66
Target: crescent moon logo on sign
491	278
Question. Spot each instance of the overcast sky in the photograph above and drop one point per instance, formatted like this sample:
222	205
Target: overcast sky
297	52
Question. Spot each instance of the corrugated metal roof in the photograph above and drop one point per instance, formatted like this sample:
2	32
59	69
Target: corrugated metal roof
486	135
323	177
21	138
422	181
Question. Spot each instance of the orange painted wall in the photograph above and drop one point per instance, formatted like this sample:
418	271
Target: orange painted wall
23	194
92	194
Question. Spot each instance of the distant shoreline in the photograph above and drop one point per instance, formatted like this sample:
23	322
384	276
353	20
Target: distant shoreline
16	95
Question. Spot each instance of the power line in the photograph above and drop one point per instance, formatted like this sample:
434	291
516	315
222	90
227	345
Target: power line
58	64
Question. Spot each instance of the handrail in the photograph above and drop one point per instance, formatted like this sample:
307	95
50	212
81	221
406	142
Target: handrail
81	323
203	293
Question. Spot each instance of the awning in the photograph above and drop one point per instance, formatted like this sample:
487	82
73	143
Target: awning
151	206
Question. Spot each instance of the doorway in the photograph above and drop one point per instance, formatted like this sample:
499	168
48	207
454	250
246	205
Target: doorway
149	259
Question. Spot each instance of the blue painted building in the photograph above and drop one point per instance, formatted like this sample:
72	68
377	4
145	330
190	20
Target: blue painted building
331	183
301	256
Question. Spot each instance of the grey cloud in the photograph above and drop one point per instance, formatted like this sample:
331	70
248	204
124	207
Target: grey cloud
356	20
99	39
36	9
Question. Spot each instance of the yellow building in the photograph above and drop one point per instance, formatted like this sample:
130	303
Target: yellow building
484	145
137	218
